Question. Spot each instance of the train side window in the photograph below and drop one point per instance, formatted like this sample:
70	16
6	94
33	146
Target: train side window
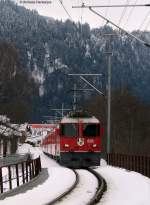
91	130
69	129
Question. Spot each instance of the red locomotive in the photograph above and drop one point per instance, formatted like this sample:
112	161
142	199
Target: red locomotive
76	142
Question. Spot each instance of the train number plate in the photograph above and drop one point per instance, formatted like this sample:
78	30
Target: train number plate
90	141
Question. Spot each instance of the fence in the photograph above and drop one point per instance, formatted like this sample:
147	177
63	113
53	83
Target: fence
14	159
14	175
139	164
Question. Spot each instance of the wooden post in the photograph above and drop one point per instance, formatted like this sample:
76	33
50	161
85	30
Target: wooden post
135	163
22	167
144	166
17	175
40	164
9	176
32	165
30	170
1	180
148	167
26	171
37	165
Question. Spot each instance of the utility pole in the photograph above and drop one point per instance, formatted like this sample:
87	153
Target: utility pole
75	90
61	110
109	53
75	98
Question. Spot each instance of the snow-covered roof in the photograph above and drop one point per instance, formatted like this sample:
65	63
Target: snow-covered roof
77	120
7	129
4	119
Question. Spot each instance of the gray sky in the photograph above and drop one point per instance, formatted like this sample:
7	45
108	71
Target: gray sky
133	18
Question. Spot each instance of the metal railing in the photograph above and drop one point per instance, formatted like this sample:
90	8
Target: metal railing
14	159
139	164
14	175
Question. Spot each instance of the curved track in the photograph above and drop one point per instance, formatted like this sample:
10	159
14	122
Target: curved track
66	192
101	187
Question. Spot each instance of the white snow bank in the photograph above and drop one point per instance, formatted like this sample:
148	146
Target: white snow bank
46	161
125	187
27	148
60	179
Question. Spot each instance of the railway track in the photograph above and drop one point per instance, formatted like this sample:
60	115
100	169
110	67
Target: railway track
101	187
66	192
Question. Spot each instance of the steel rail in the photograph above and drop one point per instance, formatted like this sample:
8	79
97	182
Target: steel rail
101	187
66	192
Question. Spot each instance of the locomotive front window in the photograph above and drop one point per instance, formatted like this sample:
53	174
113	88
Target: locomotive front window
91	130
69	129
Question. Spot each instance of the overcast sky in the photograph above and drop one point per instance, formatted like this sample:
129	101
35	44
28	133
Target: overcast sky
132	18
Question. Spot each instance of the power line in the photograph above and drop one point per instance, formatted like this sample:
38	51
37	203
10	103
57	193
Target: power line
117	26
106	11
112	6
61	2
130	13
123	12
81	17
147	25
145	18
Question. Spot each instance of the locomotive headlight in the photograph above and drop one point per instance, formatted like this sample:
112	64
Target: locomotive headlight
94	145
66	145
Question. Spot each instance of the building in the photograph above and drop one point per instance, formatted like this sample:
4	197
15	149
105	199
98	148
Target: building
9	136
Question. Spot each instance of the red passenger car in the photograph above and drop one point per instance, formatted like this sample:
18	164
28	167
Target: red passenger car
77	141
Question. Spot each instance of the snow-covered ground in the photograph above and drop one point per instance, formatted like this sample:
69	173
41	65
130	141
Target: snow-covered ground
123	187
84	191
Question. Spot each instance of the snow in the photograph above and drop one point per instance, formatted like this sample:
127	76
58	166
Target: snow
41	90
123	187
84	191
8	129
50	189
38	75
4	118
46	192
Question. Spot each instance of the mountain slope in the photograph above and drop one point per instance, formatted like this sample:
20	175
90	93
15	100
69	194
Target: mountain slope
48	50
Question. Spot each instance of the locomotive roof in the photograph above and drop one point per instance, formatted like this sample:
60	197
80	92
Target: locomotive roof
77	120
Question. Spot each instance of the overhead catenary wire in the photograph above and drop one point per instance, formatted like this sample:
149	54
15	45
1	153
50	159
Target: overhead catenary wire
113	6
61	2
130	13
123	12
106	11
68	14
81	17
144	20
147	25
114	24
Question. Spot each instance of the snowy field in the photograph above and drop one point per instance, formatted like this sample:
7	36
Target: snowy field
123	187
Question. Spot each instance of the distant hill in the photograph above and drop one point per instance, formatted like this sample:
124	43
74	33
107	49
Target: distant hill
17	88
49	50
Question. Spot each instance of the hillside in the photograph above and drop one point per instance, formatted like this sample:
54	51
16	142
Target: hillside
49	49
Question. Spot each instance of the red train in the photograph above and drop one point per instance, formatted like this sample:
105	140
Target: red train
76	142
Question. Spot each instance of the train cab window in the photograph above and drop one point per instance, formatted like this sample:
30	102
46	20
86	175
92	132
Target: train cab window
69	129
91	130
